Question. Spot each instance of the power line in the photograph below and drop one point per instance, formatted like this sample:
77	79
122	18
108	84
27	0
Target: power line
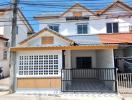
54	22
67	1
106	17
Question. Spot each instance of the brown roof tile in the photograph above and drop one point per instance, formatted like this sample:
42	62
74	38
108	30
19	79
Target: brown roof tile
116	38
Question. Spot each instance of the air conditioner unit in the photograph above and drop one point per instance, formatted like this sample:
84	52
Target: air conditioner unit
130	28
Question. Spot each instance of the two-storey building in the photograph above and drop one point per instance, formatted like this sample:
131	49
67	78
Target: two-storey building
74	51
23	28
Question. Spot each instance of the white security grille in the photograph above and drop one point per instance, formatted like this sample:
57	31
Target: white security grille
38	65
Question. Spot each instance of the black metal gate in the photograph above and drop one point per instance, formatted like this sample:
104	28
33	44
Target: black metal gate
86	80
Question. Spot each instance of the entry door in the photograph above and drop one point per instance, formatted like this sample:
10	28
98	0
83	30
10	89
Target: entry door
84	62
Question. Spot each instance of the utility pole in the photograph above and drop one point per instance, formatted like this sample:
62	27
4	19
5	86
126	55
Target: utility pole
13	44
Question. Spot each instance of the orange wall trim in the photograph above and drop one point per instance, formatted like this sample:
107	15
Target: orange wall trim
37	83
65	48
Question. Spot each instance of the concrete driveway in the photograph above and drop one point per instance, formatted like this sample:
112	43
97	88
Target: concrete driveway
4	95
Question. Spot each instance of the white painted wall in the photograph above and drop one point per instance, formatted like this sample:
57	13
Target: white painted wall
100	58
105	58
94	26
58	41
68	59
22	28
75	54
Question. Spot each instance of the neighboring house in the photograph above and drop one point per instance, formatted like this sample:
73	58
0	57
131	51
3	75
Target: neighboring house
23	26
74	51
23	30
4	57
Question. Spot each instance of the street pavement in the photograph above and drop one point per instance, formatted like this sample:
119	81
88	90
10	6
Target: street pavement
15	96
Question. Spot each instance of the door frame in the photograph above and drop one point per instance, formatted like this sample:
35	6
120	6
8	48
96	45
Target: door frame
84	57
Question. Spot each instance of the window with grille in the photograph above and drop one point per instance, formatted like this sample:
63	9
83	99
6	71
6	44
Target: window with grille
45	65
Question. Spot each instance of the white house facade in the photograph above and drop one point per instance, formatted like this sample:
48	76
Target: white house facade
74	51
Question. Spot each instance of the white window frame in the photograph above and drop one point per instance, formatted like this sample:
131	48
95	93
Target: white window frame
112	26
82	32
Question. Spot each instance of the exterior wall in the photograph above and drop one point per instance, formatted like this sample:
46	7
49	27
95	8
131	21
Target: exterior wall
68	59
6	27
39	83
4	63
94	26
57	40
22	30
75	54
105	59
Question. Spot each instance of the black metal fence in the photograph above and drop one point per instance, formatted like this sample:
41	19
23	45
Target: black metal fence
73	79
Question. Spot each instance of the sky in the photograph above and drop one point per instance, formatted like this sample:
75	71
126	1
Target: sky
32	8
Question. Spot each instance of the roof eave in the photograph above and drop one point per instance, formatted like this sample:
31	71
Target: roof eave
91	47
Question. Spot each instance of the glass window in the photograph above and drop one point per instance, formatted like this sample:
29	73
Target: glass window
54	27
112	27
115	27
82	29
